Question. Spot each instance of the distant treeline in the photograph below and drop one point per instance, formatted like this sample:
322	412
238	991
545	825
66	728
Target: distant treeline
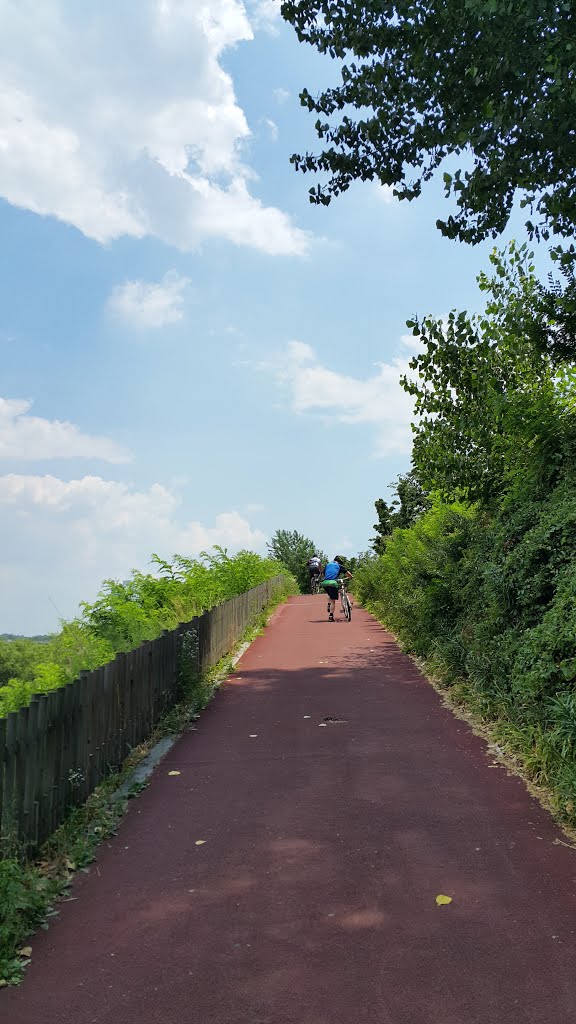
41	638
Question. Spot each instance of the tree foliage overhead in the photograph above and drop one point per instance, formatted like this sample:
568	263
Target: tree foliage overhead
488	399
492	82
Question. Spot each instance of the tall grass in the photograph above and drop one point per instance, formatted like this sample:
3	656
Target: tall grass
124	615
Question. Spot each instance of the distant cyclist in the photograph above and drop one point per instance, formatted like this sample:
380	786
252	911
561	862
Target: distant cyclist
334	571
315	569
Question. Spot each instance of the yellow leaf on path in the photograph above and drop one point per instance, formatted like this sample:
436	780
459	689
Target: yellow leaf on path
27	951
200	842
443	901
173	773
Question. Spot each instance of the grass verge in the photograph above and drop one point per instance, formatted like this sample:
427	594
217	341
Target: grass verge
30	892
521	751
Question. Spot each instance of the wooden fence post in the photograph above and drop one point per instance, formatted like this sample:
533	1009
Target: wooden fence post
9	810
31	778
20	780
2	773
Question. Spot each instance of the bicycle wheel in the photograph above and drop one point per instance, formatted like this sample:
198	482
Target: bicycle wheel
347	606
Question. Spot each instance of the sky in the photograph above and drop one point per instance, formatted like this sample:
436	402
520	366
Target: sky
190	352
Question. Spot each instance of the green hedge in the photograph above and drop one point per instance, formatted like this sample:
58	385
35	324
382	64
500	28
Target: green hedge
490	601
123	616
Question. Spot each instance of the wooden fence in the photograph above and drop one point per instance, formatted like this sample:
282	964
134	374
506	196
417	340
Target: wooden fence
55	752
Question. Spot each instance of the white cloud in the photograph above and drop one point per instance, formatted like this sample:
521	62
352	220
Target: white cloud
411	342
385	193
281	95
31	437
66	536
121	121
273	129
344	544
377	401
145	304
264	14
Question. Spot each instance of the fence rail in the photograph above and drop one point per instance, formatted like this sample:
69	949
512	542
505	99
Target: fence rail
55	752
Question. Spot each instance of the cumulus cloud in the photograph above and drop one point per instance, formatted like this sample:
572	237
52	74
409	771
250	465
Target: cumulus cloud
385	193
377	401
272	128
66	536
264	14
120	120
144	304
23	436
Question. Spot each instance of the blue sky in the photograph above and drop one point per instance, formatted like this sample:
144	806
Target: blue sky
191	353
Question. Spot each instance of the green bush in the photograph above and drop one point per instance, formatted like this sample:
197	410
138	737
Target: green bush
411	584
124	615
491	599
484	588
19	657
25	896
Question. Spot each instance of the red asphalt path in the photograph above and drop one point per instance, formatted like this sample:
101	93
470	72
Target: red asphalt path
313	897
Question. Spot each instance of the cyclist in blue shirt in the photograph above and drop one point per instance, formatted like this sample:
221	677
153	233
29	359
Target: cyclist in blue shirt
332	573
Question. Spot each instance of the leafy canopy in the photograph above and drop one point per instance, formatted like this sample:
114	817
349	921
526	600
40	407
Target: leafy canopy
491	82
410	503
489	402
293	550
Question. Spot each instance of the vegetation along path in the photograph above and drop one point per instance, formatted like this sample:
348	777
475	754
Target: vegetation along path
289	873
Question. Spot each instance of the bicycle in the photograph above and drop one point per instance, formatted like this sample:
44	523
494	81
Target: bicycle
345	604
315	583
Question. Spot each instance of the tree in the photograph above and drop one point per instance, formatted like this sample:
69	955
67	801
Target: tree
489	403
19	657
411	502
490	82
293	550
384	526
555	326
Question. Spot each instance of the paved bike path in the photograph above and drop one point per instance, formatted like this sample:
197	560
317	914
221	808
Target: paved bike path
335	798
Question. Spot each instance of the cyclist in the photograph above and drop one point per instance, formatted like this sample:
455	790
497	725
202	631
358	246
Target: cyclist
334	571
314	568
